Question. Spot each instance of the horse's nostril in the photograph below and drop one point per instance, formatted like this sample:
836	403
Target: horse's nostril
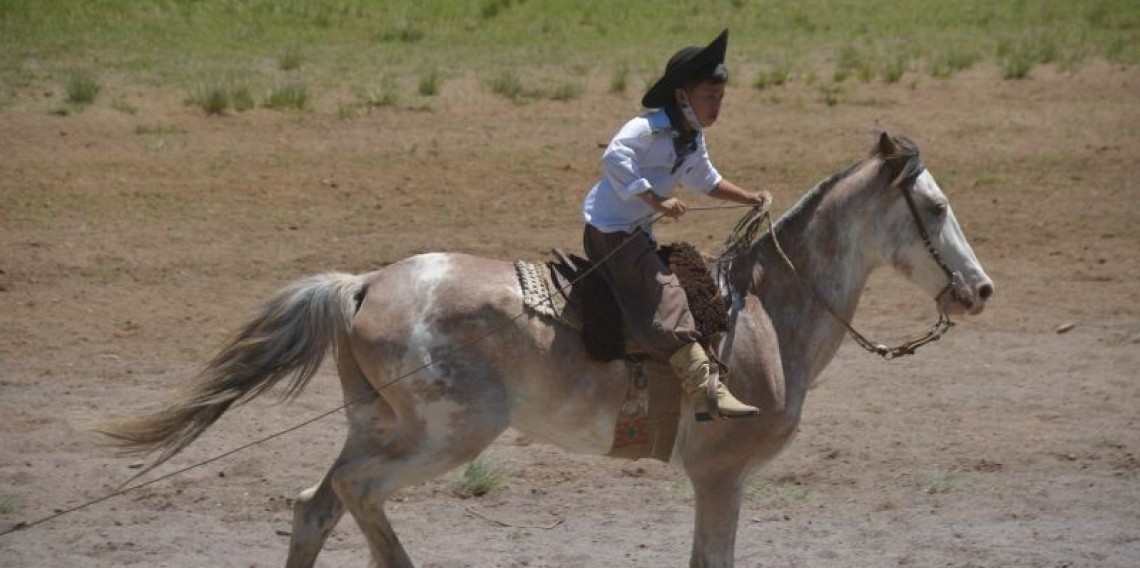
985	291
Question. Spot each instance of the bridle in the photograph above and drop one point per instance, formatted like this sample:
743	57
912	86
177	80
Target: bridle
745	233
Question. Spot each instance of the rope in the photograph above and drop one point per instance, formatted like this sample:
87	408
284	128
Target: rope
123	489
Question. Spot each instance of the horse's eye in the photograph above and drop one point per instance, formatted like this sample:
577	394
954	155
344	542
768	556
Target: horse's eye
939	210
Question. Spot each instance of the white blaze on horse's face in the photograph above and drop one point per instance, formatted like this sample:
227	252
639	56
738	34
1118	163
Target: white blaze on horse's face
947	238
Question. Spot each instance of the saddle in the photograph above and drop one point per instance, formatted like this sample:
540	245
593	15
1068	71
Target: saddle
567	289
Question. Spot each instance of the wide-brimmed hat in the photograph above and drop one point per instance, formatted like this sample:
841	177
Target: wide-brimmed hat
690	63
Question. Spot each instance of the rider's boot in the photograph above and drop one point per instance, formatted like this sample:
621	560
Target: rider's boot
692	364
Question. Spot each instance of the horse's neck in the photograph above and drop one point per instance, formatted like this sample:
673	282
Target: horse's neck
825	249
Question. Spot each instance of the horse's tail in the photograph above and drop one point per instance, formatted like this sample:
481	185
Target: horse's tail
288	337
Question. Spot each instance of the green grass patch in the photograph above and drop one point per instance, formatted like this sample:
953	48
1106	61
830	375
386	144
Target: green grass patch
216	97
1019	56
81	88
210	97
478	478
241	98
567	92
507	84
937	485
853	62
291	59
158	129
774	76
290	96
682	488
401	32
384	94
430	83
894	69
8	505
946	63
831	95
124	106
619	80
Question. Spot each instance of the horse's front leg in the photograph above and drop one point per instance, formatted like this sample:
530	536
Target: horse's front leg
717	515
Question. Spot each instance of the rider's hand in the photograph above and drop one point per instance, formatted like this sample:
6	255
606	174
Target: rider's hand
671	207
760	199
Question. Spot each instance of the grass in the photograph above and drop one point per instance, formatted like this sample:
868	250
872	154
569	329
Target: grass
158	129
384	94
430	83
478	478
683	489
775	76
81	88
8	505
894	69
507	84
831	95
290	96
952	60
124	106
619	80
213	98
291	59
937	485
216	97
567	92
338	45
1019	56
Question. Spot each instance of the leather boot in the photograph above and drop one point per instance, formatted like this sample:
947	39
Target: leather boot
692	364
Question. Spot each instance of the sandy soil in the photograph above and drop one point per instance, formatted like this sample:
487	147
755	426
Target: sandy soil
133	243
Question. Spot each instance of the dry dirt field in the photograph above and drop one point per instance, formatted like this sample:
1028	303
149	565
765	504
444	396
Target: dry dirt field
131	244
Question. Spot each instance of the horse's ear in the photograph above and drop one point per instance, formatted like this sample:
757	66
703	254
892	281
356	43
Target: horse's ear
886	145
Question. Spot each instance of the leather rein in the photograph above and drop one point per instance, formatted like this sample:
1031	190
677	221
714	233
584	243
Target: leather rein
745	233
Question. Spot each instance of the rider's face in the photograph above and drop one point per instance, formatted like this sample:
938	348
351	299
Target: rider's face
705	98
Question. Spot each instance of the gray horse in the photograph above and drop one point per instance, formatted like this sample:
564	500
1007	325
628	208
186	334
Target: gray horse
436	362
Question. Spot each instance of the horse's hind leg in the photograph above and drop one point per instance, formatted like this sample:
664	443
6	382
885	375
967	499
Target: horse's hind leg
318	508
315	513
384	465
408	437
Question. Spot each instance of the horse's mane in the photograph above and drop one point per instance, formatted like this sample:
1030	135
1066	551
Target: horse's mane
810	200
898	153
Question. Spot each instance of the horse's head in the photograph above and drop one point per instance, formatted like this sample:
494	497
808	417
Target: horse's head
917	233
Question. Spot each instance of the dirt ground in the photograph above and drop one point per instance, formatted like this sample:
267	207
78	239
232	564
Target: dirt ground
131	244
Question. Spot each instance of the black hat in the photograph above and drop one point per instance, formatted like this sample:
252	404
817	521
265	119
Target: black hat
690	63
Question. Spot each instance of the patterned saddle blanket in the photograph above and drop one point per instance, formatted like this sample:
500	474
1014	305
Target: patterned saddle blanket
568	290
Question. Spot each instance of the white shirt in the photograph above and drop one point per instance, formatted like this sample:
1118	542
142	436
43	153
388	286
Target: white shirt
641	158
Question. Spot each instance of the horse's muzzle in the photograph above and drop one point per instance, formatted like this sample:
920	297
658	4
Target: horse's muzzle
961	298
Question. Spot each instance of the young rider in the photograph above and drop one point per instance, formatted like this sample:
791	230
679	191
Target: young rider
641	168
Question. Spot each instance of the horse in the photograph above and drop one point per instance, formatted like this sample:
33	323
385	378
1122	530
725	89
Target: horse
436	358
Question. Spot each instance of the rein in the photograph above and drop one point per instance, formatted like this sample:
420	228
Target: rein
745	233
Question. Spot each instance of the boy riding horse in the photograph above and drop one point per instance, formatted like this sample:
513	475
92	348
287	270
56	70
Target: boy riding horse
647	159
